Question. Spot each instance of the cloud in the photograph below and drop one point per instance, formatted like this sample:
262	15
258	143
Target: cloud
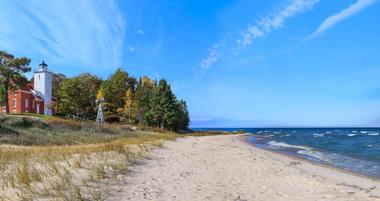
259	29
140	31
87	34
212	57
131	49
273	21
334	19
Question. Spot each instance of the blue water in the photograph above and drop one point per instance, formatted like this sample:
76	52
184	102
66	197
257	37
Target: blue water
353	149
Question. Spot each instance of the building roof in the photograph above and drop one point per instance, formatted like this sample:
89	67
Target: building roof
42	68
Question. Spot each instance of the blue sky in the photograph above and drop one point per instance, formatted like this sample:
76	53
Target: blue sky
241	63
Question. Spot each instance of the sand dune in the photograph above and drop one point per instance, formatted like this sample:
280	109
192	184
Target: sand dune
226	168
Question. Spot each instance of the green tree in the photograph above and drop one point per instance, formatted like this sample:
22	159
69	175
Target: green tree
163	107
183	117
78	95
11	73
142	99
114	89
58	78
2	94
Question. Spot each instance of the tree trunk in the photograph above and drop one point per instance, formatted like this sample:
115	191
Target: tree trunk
6	97
162	123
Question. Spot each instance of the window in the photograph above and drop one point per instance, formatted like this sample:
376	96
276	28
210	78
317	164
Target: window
14	103
39	77
33	104
26	103
14	92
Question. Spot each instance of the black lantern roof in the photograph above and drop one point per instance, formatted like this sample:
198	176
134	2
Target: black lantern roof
43	64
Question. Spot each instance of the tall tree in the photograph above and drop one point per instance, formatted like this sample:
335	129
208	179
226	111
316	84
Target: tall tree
78	95
164	106
2	94
11	73
58	78
128	108
142	98
183	117
114	89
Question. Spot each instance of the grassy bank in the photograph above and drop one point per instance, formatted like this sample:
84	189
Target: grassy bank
42	130
49	158
46	158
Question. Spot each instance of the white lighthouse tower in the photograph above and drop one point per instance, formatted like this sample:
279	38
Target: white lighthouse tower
43	81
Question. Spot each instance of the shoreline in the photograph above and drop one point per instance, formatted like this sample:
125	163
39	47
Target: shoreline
227	168
325	165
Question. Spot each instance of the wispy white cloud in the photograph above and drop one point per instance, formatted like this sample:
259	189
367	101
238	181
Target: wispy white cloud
273	21
212	57
88	34
334	19
131	49
259	29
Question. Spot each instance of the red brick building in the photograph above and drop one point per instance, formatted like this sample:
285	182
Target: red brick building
33	98
24	101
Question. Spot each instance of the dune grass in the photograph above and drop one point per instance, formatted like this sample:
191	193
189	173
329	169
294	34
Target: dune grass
50	158
35	130
47	158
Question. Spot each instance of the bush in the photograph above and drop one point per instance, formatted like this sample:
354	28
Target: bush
22	122
112	118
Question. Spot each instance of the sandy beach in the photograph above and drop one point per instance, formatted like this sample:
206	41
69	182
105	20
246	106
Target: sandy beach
227	168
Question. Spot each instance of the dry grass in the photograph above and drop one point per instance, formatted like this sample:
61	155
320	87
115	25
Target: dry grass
77	170
72	172
47	158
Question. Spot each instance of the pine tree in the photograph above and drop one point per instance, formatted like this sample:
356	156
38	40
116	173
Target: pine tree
2	94
183	117
142	98
11	73
164	106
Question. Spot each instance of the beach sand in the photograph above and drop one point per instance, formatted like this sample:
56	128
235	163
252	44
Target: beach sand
227	168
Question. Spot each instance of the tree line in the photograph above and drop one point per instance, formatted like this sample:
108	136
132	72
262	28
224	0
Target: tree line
129	100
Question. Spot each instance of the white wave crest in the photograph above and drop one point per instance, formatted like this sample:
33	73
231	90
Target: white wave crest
283	144
314	154
318	135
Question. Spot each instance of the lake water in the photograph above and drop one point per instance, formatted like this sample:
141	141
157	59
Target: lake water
353	149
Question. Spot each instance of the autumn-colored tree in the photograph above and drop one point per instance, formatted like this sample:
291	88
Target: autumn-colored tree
99	94
145	102
128	108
